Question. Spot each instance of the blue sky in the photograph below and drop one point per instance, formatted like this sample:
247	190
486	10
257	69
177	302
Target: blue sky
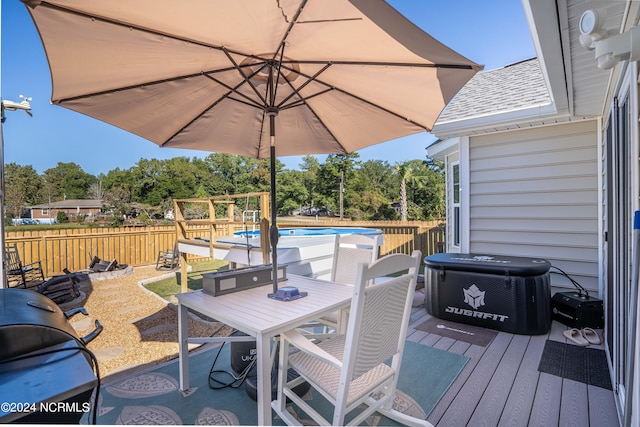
493	33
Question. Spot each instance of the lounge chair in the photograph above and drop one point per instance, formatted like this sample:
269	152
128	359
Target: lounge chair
169	259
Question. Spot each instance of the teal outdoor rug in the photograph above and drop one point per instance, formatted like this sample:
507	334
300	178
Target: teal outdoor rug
153	396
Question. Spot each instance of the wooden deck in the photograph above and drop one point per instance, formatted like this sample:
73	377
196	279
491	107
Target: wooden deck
501	385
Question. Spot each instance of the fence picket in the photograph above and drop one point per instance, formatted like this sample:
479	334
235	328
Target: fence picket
73	248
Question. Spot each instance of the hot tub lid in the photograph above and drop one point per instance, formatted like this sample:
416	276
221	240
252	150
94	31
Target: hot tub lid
490	264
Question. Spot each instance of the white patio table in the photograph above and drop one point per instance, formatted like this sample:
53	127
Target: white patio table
262	318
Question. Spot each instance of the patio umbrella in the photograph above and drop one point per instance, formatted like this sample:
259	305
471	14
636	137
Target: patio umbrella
249	77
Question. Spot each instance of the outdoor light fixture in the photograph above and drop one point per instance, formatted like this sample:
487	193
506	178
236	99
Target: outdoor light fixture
609	48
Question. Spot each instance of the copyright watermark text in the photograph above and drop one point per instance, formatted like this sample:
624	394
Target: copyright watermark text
47	407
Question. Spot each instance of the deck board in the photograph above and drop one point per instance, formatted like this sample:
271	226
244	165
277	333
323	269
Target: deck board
520	401
493	400
574	410
476	384
602	407
501	386
546	404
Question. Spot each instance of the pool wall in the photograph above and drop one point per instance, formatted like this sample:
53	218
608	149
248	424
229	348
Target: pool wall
305	251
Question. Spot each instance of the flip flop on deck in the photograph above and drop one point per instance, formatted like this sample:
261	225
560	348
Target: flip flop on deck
576	336
591	336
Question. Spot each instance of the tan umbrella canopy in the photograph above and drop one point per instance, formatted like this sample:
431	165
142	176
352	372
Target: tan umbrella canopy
325	76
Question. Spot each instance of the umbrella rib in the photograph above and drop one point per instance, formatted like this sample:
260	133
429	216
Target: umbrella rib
207	73
325	127
132	26
246	78
302	100
219	100
291	23
226	96
388	64
251	102
296	91
123	88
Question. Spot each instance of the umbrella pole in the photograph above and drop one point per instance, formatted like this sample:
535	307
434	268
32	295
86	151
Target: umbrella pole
3	273
273	230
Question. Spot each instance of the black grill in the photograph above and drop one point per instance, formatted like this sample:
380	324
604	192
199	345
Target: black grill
47	375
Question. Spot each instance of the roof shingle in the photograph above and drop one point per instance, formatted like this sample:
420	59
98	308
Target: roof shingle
514	87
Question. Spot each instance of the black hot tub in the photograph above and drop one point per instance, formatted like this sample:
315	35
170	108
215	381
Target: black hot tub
505	293
46	373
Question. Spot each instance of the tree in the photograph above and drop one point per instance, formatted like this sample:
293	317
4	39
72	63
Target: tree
291	193
404	172
371	198
67	181
23	186
156	180
310	167
333	180
421	189
96	191
117	201
117	180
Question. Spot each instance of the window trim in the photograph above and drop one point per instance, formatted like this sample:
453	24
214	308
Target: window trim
456	193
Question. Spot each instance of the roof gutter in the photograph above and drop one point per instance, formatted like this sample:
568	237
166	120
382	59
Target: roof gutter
550	35
490	122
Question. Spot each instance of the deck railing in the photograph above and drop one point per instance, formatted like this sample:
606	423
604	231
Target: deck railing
73	248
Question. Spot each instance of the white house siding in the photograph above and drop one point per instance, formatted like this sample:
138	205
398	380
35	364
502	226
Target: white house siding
534	193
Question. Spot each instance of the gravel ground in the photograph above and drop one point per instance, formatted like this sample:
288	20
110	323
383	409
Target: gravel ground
140	328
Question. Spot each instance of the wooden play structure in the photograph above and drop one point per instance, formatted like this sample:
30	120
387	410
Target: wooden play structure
222	217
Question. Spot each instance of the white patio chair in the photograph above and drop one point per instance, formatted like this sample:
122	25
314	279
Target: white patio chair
349	370
350	249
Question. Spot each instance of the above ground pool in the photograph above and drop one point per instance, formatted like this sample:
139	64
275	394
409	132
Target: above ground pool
313	231
306	251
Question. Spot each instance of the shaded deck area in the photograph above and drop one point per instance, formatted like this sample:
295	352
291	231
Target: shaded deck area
501	384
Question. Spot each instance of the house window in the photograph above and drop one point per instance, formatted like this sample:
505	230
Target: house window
44	212
456	203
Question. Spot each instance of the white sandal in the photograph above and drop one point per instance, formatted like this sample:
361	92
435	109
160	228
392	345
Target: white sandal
576	336
591	336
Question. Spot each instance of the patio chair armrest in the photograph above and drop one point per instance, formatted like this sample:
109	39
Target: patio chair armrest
32	265
299	341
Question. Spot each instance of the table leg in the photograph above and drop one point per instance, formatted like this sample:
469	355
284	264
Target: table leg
183	343
343	320
264	379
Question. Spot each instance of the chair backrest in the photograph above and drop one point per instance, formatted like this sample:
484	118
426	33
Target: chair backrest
12	259
350	250
379	314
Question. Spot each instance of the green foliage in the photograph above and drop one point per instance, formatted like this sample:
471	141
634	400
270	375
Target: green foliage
38	227
370	189
23	187
62	217
67	181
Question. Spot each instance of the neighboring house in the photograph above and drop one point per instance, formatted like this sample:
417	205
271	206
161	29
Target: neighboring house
542	161
73	208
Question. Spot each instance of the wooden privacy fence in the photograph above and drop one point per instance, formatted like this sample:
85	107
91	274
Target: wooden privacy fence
73	248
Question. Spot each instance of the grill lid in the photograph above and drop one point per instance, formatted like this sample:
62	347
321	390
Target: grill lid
30	321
